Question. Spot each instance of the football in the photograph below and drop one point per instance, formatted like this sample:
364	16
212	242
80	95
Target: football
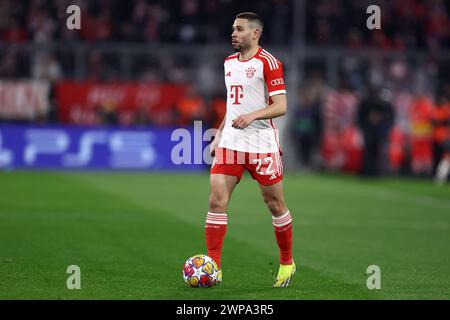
200	271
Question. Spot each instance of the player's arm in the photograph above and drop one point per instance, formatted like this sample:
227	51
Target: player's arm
276	109
215	142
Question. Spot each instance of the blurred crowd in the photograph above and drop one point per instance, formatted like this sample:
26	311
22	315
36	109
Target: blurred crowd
391	112
185	109
405	23
376	131
187	21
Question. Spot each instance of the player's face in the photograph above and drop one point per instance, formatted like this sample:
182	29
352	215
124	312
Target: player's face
241	37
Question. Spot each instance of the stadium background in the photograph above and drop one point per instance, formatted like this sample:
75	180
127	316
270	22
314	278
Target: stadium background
108	97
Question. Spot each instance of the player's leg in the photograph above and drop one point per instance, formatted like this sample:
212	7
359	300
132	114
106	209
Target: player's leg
443	168
222	187
267	169
281	219
282	223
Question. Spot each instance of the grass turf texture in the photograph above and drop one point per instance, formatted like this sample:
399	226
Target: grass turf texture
130	233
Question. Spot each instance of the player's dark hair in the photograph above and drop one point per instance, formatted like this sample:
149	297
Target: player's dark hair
252	17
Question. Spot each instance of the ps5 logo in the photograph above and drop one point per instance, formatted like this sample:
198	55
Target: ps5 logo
44	142
128	149
6	156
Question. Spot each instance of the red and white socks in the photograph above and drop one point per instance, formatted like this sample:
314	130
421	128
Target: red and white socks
215	230
283	233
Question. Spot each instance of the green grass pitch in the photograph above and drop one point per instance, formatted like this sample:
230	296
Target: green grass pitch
130	234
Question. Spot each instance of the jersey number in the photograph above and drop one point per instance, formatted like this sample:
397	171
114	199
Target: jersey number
269	169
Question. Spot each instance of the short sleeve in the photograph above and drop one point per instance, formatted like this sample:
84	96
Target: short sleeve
274	77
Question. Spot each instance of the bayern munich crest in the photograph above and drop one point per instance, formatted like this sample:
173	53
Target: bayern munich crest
250	72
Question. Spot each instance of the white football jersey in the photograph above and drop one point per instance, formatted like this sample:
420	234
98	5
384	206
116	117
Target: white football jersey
250	84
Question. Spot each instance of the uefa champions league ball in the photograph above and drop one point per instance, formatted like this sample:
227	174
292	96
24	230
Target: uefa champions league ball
200	271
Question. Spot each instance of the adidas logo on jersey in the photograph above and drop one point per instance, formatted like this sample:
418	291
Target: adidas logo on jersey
228	74
273	176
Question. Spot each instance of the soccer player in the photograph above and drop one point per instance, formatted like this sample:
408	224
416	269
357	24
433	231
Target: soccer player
247	139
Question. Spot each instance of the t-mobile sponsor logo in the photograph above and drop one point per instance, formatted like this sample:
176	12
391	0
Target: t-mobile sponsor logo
237	92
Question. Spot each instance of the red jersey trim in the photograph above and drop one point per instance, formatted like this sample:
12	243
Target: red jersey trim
276	136
233	56
270	62
274	64
255	56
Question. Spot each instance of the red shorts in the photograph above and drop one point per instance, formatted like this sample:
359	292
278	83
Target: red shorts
266	168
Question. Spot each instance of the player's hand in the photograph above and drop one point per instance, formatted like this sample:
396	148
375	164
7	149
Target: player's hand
243	121
212	147
214	144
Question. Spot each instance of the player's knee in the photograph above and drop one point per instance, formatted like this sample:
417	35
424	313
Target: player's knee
217	203
276	205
